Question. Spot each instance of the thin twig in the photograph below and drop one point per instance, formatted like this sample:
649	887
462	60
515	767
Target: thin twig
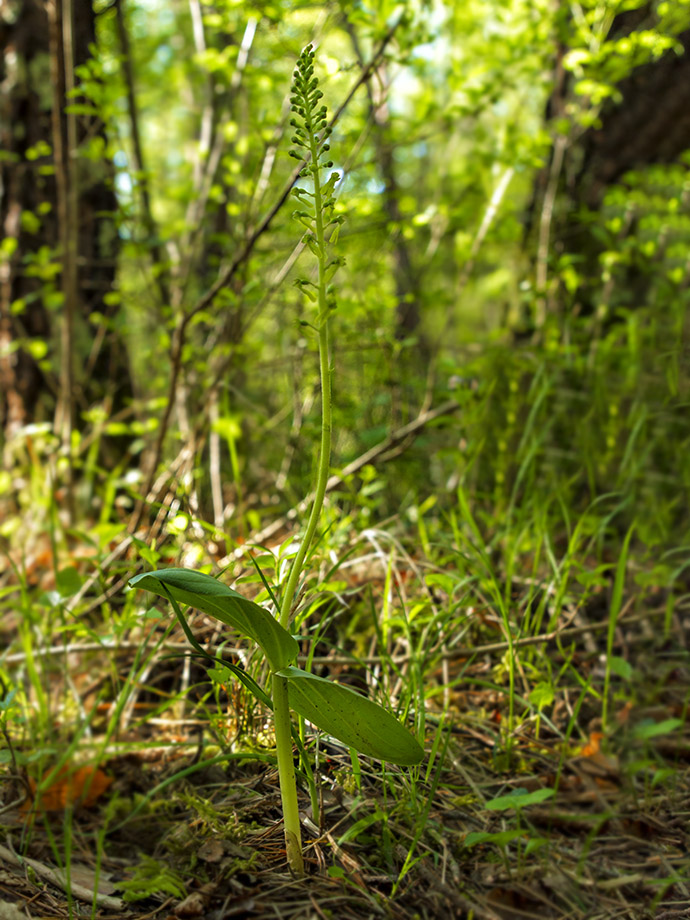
406	274
227	652
206	121
180	332
370	456
212	157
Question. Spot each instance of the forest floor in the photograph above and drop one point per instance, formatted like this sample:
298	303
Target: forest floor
528	807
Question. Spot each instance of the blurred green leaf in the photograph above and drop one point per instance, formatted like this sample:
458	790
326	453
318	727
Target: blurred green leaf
646	730
519	798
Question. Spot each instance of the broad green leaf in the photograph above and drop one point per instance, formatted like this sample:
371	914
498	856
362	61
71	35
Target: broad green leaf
68	581
214	598
646	730
220	674
6	701
542	695
351	718
519	799
621	667
500	838
534	844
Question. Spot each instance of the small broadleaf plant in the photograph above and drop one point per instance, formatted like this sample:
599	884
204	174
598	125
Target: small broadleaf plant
337	710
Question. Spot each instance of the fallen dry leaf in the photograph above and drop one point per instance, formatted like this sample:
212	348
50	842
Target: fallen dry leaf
211	851
593	745
193	905
83	787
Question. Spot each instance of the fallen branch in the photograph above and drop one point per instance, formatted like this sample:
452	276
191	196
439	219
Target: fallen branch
450	655
55	877
370	456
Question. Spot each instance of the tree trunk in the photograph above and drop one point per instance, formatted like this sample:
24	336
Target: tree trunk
407	282
32	260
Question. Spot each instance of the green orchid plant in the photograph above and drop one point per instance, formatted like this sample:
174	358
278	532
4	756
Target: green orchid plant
337	710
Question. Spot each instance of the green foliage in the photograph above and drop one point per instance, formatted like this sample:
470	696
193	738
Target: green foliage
555	490
213	597
151	878
351	718
463	95
519	799
338	710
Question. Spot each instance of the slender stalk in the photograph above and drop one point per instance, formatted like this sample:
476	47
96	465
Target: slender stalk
286	772
313	121
324	460
281	707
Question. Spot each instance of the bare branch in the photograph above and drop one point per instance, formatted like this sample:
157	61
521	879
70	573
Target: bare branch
406	432
206	299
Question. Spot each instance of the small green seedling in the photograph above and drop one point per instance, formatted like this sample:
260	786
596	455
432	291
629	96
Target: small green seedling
337	710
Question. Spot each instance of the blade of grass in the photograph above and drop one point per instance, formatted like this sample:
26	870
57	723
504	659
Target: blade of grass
614	611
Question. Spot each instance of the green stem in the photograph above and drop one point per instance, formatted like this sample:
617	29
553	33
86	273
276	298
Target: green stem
326	411
281	706
286	772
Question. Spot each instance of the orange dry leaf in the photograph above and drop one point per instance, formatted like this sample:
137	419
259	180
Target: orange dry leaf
623	714
82	787
592	746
